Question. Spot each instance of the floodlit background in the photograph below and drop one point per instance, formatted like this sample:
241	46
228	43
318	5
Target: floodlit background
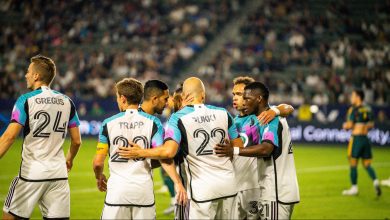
311	54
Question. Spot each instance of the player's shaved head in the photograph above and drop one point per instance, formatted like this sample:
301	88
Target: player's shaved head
194	86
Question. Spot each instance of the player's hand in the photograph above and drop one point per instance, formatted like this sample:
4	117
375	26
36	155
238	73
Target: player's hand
132	152
102	183
181	194
187	99
224	150
69	165
266	116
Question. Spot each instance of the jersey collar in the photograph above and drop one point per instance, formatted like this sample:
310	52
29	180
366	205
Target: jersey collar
131	111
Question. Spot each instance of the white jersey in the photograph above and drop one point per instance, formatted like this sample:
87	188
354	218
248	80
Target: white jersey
130	182
277	174
246	167
46	116
197	129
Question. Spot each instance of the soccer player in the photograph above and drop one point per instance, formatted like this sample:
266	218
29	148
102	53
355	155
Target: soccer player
45	116
197	128
276	169
360	121
130	186
156	95
246	167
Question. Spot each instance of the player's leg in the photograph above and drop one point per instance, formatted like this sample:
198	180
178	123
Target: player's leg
55	201
203	210
171	188
143	212
22	198
247	204
285	211
225	208
353	155
367	160
116	212
268	209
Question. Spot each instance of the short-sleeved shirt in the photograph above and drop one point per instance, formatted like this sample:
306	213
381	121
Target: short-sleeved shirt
130	181
246	167
360	114
45	115
197	129
277	175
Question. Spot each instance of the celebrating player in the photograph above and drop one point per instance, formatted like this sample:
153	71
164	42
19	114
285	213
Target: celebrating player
156	95
246	167
276	169
360	121
196	129
45	116
130	186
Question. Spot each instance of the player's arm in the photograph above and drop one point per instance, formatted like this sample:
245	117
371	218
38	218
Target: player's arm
370	123
167	151
100	157
169	166
260	150
283	110
350	120
75	137
98	166
75	143
8	137
18	120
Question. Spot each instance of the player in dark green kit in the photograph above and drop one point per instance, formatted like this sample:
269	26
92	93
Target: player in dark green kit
360	121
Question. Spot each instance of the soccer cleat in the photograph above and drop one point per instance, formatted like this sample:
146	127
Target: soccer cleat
169	210
353	191
377	188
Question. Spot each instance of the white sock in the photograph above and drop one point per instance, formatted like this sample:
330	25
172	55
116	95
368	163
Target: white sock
376	182
354	187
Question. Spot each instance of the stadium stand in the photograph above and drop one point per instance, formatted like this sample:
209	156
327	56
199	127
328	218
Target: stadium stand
143	39
308	54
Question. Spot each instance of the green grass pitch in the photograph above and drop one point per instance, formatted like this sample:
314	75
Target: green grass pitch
322	175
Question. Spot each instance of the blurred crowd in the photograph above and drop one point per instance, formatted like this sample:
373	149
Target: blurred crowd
94	43
310	52
305	51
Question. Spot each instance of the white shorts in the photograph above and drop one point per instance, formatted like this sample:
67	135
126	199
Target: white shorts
182	212
273	210
52	197
216	209
128	212
246	204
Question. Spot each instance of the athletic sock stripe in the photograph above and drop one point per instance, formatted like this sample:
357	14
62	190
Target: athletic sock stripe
11	192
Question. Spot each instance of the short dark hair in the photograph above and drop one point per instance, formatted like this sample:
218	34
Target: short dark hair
360	93
246	80
130	88
45	67
260	87
154	88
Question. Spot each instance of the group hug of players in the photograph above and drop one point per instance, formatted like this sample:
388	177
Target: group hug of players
222	167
